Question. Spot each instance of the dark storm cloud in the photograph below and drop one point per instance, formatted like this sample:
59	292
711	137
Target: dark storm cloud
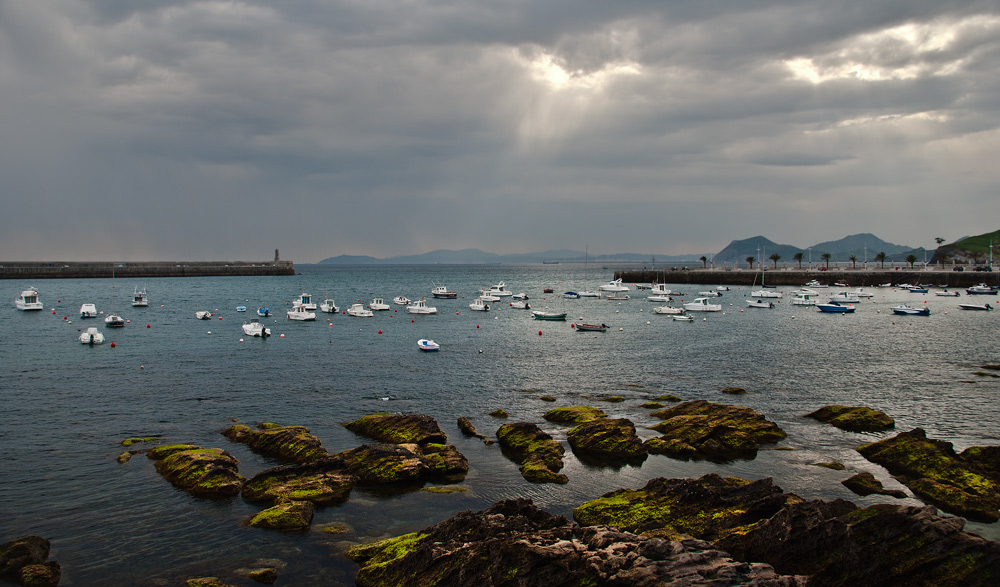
389	128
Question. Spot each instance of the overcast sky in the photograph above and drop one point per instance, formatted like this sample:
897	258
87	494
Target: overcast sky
195	130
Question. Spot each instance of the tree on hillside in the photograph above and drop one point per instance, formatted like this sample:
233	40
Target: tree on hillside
854	261
750	261
775	258
798	259
881	259
826	259
704	261
911	259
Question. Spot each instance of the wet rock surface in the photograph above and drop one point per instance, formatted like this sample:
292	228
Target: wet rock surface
854	418
515	543
539	455
399	428
867	484
322	482
206	472
706	430
574	414
293	444
607	438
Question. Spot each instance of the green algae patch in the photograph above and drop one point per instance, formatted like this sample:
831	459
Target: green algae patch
289	515
611	438
164	451
706	430
935	473
289	443
337	528
614	399
854	418
547	398
323	482
137	440
208	472
538	454
651	405
398	428
443	490
574	414
499	413
667	398
377	559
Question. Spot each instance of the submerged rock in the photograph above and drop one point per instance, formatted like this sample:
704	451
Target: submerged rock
515	543
867	484
375	464
41	575
20	553
935	473
733	390
499	413
613	438
322	482
466	427
399	428
718	432
535	450
208	472
854	418
289	443
287	515
574	414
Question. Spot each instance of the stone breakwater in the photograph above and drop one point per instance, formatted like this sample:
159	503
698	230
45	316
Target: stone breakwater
799	277
76	269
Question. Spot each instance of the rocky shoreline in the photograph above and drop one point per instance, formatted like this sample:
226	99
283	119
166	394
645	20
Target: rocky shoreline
708	531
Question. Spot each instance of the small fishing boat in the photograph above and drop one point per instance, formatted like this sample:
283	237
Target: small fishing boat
804	299
500	290
91	336
917	289
378	304
663	299
670	310
28	301
836	308
264	312
241	308
905	310
329	306
202	315
442	292
520	305
255	328
88	311
401	301
947	294
815	284
421	307
975	306
571	295
479	305
844	297
615	285
683	318
766	293
359	311
305	300
486	296
982	290
710	293
426	344
591	327
702	305
590	294
300	313
139	298
519	296
759	304
542	315
616	296
661	289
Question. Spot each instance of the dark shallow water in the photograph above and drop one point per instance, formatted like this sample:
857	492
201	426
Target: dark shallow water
67	407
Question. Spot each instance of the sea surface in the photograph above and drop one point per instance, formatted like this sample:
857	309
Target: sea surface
66	407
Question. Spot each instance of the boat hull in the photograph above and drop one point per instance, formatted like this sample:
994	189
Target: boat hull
549	315
836	308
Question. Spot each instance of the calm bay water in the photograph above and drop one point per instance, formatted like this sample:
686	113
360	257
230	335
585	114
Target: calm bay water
67	406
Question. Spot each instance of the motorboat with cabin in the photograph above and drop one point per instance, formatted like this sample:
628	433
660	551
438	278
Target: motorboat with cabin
401	301
669	310
92	336
305	300
615	285
486	296
88	311
378	304
255	328
442	292
844	297
836	308
702	305
421	307
329	306
359	311
140	299
479	305
500	290
28	301
300	313
982	290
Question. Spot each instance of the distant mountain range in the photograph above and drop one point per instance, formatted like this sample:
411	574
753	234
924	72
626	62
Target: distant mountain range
860	246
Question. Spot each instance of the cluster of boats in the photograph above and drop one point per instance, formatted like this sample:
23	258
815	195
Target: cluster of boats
28	301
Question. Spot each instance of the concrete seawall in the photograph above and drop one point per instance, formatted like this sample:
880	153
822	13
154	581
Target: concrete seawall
75	269
798	278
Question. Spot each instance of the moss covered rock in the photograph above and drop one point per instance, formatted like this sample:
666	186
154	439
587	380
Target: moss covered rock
854	418
443	461
867	484
22	552
375	464
935	473
614	399
733	390
607	438
207	582
832	465
164	451
321	482
289	443
706	508
41	575
465	425
651	405
287	515
667	398
539	455
574	414
499	413
209	472
399	428
718	432
136	440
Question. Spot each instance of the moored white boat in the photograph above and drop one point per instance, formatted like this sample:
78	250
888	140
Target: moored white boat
661	289
710	293
28	301
255	328
860	293
88	311
616	296
663	299
817	285
836	308
591	327
702	305
139	298
683	318
202	315
378	304
805	299
545	315
947	294
329	306
670	310
300	313
982	290
975	306
520	305
91	336
426	344
479	305
442	292
401	301
264	312
905	310
305	300
360	311
570	295
486	296
420	307
759	304
615	285
844	297
589	294
519	296
766	293
241	308
500	290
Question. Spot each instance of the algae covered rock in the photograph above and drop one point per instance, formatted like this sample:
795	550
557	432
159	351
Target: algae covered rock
935	473
733	390
718	432
708	508
41	575
399	428
375	464
499	413
321	482
208	472
574	414
287	515
867	484
289	443
165	450
207	582
612	438
535	450
515	543
466	427
854	418
20	553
